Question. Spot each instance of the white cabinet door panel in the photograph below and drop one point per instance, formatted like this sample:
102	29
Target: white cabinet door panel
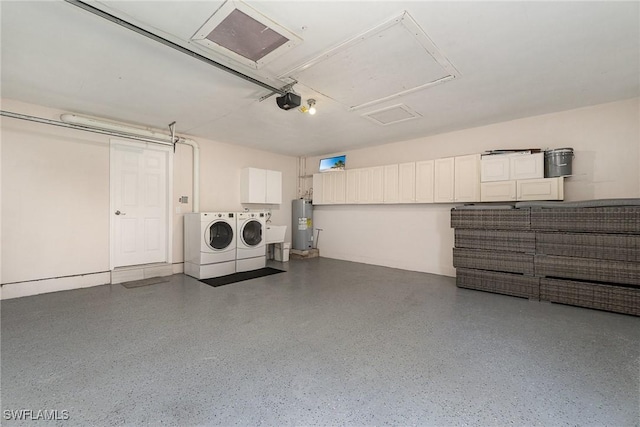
444	176
495	168
467	178
499	191
424	181
391	190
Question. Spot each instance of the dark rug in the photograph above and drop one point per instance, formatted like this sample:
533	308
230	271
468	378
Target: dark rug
239	277
144	282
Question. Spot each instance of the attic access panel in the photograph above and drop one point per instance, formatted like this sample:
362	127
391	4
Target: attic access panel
243	34
391	115
388	61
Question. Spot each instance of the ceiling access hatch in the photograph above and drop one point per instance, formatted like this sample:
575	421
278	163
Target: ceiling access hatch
391	115
393	59
243	34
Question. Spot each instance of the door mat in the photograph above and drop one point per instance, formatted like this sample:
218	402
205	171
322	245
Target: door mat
144	282
239	277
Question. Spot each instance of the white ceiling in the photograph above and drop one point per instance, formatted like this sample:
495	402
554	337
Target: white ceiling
514	59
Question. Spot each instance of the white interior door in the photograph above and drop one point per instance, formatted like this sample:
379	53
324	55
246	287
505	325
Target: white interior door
139	188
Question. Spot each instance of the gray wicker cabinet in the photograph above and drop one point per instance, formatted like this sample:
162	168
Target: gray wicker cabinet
586	256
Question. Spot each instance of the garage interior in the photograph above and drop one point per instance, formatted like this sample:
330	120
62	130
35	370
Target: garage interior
372	331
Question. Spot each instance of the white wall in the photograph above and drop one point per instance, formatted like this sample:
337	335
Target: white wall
55	197
605	139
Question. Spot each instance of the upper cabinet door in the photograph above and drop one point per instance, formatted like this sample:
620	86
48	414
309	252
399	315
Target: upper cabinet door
353	186
527	166
273	187
443	179
495	168
339	186
317	189
467	178
377	185
424	181
407	182
253	185
391	189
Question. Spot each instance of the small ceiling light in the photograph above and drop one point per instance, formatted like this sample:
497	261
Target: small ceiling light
312	106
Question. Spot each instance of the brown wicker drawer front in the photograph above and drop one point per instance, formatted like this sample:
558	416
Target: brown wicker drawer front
493	260
588	269
491	219
592	295
588	220
496	240
621	247
501	283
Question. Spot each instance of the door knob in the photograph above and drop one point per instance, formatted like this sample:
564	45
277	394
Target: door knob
120	213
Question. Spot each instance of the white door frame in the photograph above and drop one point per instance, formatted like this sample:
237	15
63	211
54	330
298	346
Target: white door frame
169	225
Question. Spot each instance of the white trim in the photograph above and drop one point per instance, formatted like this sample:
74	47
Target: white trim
169	196
36	287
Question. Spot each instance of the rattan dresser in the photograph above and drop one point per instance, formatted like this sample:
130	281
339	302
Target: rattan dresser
581	253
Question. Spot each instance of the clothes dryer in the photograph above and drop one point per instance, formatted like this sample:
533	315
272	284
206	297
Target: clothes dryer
209	244
251	250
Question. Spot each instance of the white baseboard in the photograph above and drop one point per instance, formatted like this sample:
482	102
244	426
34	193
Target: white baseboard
178	268
36	287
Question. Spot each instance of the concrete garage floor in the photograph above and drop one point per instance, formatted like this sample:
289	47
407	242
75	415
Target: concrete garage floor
327	343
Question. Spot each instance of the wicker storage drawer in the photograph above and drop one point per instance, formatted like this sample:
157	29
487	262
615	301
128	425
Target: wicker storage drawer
588	269
501	283
588	220
592	295
493	260
491	219
620	247
496	240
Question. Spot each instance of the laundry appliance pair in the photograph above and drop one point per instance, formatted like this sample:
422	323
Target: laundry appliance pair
221	243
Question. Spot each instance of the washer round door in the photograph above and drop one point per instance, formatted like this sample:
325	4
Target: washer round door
252	233
219	235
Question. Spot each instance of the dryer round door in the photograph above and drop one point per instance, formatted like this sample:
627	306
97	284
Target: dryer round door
252	233
218	235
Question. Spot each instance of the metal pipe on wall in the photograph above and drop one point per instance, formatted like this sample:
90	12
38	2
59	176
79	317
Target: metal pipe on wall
72	121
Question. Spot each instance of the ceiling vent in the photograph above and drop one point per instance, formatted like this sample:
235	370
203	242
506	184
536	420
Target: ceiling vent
391	115
243	34
388	61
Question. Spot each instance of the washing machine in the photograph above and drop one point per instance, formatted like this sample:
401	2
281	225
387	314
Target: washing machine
209	244
251	250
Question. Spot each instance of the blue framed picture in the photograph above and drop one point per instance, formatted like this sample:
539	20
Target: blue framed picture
336	163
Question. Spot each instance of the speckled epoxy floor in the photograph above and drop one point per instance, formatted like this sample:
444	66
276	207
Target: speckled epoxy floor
327	343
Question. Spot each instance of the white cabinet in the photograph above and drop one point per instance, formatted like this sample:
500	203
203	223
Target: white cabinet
376	185
329	188
318	198
498	191
540	189
274	187
424	181
504	167
495	168
407	182
467	178
260	186
391	190
339	187
443	179
370	185
527	166
523	189
457	179
353	186
352	192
